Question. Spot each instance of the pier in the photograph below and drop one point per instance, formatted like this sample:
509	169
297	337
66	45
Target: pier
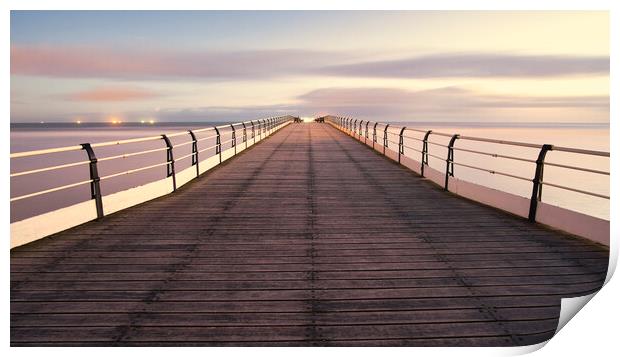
306	238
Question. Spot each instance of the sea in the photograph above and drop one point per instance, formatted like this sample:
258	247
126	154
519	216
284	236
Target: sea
34	136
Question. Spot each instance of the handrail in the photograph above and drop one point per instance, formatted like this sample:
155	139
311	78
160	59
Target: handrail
537	181
134	170
504	142
492	171
45	151
578	168
16	174
122	156
269	126
13	199
496	155
574	190
103	144
206	137
581	151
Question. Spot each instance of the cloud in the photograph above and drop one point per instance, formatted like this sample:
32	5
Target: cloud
441	104
98	62
223	113
112	94
452	104
434	98
474	65
102	62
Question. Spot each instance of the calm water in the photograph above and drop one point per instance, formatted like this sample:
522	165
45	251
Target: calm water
40	136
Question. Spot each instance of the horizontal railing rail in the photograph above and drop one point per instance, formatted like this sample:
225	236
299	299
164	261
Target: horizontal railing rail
376	135
236	134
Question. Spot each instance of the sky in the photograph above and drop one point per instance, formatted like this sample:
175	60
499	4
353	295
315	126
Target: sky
454	66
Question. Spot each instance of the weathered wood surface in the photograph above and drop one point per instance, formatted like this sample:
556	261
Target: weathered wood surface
307	239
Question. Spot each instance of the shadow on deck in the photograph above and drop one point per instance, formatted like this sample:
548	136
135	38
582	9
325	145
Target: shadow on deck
306	239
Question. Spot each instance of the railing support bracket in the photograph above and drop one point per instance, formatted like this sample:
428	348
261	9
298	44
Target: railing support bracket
425	152
95	186
537	181
450	160
170	160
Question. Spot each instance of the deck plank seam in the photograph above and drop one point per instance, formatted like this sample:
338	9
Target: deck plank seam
484	308
125	332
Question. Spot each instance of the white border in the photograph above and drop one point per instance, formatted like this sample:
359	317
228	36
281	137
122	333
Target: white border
591	330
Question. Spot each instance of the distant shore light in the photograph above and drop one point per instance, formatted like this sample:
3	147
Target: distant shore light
151	121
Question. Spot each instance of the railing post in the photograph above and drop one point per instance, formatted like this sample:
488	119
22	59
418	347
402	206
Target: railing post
245	136
450	160
260	132
218	144
354	129
385	138
253	132
425	152
170	160
366	136
95	186
374	135
401	144
264	128
359	131
194	152
233	139
537	181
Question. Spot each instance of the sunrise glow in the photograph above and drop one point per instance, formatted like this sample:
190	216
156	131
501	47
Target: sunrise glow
398	65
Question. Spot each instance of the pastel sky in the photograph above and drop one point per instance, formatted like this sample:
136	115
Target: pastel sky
229	65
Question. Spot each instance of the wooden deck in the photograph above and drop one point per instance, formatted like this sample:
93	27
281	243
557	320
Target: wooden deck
307	239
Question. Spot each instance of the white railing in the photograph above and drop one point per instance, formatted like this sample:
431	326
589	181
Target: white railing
239	136
533	209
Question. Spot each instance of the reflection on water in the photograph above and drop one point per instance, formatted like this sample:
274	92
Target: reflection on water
31	137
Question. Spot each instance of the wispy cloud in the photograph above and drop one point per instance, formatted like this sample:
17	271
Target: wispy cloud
112	94
100	62
450	103
458	97
474	65
97	62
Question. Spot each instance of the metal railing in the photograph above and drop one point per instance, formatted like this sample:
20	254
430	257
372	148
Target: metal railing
368	132
253	131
